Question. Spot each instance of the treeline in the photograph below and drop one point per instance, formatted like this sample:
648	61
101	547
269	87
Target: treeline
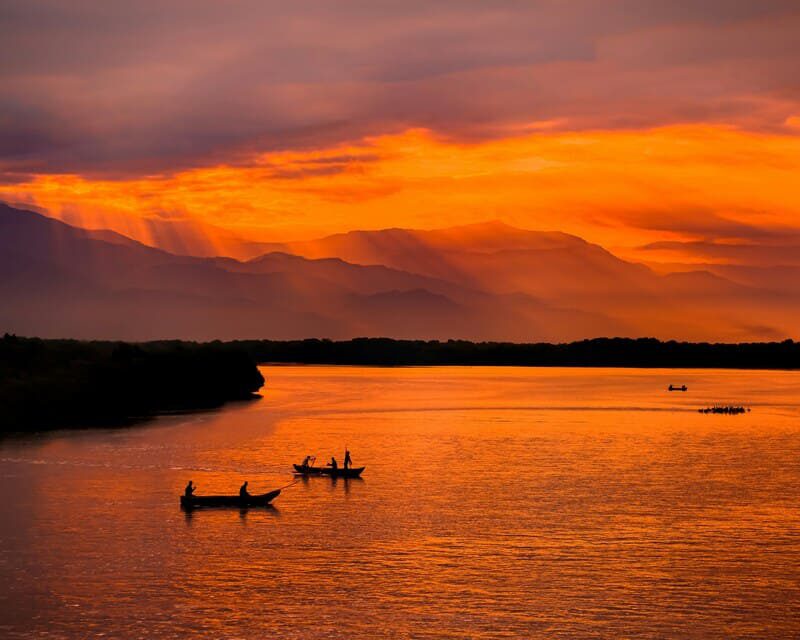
600	352
62	383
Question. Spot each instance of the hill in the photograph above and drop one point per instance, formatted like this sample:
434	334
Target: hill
479	282
61	281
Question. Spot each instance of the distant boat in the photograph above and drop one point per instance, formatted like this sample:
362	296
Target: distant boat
673	387
730	410
340	472
262	500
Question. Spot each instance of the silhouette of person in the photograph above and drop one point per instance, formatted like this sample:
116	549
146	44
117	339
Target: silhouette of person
243	491
189	491
347	460
306	460
333	464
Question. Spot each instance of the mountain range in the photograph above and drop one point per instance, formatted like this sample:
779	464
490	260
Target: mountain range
487	281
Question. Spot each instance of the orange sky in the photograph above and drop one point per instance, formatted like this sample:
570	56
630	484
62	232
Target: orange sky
666	131
627	122
621	188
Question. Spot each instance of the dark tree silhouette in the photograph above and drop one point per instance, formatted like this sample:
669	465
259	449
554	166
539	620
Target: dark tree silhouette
63	383
600	352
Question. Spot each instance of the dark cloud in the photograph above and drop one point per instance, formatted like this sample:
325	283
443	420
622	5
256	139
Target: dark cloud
289	173
754	254
8	178
131	88
321	166
700	223
346	159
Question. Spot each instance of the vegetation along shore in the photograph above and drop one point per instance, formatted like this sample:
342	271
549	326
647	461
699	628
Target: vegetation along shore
62	383
65	383
598	352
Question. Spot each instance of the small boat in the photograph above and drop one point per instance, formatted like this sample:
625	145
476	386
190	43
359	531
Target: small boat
729	410
673	387
262	500
340	472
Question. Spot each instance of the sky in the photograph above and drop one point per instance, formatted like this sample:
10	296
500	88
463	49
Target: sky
662	129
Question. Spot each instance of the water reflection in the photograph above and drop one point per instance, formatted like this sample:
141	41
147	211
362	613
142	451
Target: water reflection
346	482
514	512
244	513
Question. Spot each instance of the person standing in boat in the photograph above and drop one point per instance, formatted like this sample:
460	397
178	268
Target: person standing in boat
306	462
243	491
189	490
347	460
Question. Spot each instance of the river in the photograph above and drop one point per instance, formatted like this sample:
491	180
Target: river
496	503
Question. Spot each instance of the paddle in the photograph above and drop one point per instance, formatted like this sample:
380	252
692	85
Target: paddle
294	482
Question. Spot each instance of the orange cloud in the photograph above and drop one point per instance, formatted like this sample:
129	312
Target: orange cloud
618	188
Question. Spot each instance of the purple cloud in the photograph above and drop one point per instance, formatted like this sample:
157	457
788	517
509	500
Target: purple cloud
132	88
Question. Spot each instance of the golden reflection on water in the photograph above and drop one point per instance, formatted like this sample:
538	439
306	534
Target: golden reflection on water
496	502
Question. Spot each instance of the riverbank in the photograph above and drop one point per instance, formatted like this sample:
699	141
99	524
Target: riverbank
645	353
47	384
60	383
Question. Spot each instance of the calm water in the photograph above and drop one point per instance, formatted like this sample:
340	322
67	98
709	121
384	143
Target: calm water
497	502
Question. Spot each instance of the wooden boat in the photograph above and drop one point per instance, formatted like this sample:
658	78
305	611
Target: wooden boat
262	500
729	410
340	472
673	387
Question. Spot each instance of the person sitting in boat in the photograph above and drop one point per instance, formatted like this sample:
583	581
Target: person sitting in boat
333	464
306	462
243	491
347	460
189	490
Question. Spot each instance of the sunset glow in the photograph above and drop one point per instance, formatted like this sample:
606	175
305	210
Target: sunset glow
621	160
620	189
420	319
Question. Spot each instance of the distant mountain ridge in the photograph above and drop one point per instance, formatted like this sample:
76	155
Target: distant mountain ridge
62	281
488	281
565	271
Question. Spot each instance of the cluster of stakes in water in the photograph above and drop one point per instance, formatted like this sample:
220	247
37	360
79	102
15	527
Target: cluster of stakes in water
730	410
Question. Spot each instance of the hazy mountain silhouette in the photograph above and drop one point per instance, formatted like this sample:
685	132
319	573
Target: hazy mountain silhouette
776	278
59	280
486	281
564	271
444	254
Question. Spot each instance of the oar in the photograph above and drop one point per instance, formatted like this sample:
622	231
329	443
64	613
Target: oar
289	485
